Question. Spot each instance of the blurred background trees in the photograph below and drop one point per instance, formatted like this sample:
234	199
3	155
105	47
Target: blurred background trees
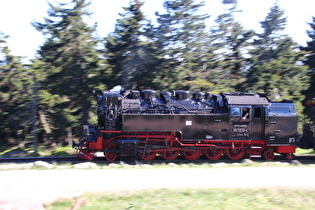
126	49
182	39
231	43
309	62
274	66
67	67
175	51
15	96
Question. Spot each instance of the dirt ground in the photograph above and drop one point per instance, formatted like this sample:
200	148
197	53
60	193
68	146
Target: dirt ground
29	189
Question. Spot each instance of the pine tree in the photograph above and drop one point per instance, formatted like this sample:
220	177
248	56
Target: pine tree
126	50
15	96
310	62
274	68
231	42
182	41
69	64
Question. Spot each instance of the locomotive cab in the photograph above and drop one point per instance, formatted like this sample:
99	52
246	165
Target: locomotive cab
247	115
247	122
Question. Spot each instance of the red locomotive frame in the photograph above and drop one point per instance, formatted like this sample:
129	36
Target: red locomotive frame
174	146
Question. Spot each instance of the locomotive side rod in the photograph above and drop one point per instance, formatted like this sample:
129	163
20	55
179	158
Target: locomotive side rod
229	143
161	137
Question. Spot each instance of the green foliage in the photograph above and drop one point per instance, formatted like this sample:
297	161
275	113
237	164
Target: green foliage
231	44
274	65
177	52
68	68
308	152
126	53
34	154
310	62
183	43
27	150
15	96
63	152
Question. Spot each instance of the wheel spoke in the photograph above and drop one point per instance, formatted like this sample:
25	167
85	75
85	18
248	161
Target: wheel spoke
147	155
192	155
236	154
213	153
170	155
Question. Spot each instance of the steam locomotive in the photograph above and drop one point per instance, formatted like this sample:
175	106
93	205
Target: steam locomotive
144	124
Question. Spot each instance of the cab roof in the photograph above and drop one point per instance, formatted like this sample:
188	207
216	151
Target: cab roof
246	99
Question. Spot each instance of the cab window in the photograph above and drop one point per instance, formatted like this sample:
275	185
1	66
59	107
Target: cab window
240	112
235	112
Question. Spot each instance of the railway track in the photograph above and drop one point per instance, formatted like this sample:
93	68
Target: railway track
303	159
46	159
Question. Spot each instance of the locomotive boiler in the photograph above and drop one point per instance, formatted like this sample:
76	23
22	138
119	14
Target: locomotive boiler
146	124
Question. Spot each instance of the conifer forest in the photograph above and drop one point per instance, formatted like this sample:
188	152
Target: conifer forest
50	99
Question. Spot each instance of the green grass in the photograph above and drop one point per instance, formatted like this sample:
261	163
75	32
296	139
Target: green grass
5	151
64	151
194	199
300	151
43	151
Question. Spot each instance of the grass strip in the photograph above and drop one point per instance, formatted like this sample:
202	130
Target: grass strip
194	199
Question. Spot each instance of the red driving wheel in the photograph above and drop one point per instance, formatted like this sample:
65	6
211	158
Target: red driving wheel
236	154
213	153
147	155
192	155
170	155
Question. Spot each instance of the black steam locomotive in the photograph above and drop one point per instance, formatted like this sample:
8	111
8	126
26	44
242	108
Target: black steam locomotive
134	124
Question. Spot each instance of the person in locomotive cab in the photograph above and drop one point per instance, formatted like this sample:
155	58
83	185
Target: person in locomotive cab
245	113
